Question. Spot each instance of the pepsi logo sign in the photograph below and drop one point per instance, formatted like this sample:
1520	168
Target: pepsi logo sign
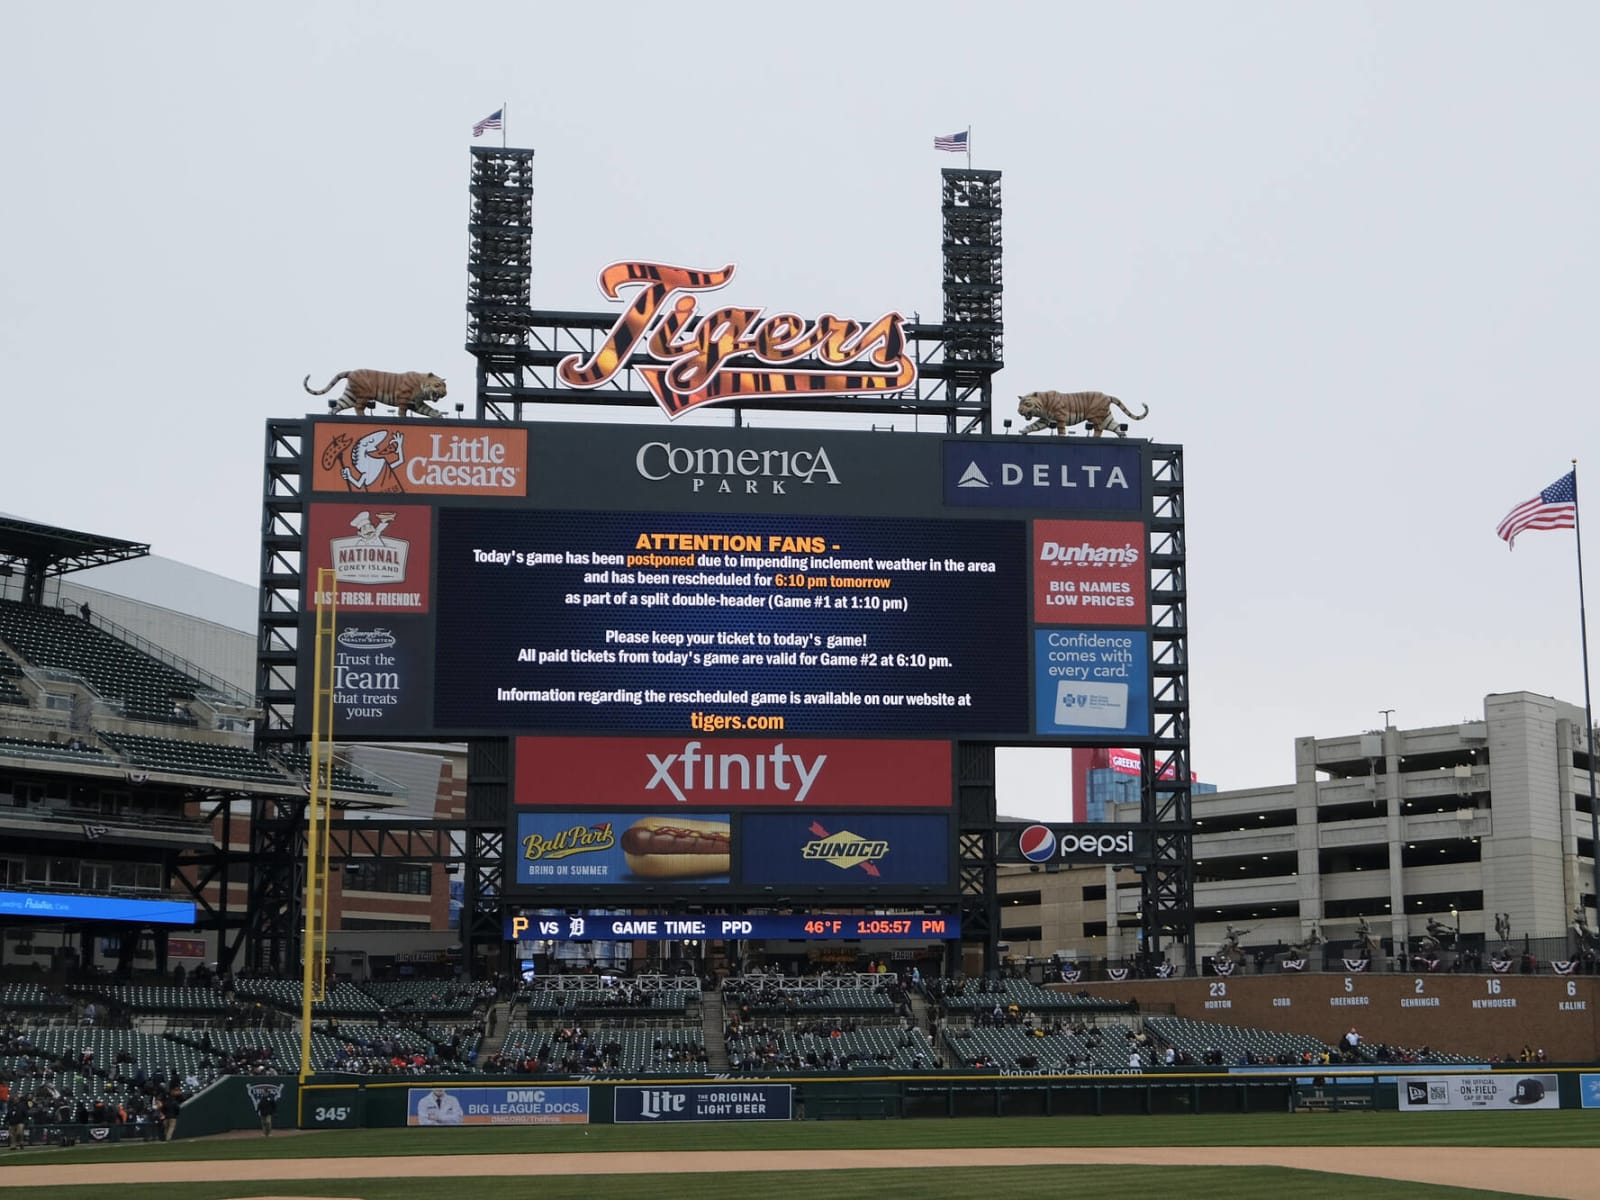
1037	843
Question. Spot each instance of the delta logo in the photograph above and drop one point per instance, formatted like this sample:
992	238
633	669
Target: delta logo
689	360
1050	473
844	849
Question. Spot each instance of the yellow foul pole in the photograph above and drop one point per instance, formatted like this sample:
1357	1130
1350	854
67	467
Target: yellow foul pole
319	818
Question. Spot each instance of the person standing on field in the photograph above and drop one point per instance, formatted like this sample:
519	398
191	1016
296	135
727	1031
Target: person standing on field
266	1109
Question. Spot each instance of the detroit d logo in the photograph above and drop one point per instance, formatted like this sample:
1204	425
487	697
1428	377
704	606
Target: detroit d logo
261	1091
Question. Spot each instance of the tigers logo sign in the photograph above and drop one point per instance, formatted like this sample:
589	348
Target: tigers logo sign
688	360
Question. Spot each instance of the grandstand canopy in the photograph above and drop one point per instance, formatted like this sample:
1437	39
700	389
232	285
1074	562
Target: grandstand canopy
44	550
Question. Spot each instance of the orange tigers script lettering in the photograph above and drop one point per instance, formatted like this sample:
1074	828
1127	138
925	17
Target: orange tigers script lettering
687	359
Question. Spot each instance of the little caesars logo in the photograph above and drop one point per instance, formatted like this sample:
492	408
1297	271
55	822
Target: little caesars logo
688	360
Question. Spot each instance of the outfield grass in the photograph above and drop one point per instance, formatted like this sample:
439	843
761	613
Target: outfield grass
1017	1183
1532	1129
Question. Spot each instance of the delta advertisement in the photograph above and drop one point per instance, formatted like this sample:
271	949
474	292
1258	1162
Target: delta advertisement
451	1106
704	1102
743	772
1458	1093
845	850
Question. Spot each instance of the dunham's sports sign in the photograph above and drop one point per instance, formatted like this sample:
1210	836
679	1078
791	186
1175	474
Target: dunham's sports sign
687	360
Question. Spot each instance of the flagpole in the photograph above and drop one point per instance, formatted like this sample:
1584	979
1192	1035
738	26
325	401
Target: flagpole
1588	710
969	147
504	105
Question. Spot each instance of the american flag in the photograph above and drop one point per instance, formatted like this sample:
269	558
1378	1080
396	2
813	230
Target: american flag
1554	508
956	142
492	121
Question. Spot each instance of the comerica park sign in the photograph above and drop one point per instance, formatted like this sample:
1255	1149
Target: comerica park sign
688	360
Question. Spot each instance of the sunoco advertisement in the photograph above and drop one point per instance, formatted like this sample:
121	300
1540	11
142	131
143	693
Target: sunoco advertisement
704	1102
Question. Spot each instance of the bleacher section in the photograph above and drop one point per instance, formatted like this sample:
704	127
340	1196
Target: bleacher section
435	997
150	1051
342	999
828	1045
159	998
57	751
1234	1043
298	764
31	997
10	672
1099	1048
195	758
552	1005
617	1049
974	995
147	688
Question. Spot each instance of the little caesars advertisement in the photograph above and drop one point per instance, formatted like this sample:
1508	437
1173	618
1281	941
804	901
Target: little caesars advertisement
1456	1093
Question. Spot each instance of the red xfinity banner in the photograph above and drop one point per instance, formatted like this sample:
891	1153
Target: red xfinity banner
1088	573
731	772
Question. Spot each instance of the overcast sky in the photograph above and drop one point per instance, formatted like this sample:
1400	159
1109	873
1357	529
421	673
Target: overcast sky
1347	254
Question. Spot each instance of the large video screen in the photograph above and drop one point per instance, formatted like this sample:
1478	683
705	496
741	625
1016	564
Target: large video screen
650	623
727	661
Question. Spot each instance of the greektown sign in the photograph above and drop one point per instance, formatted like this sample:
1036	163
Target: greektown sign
688	360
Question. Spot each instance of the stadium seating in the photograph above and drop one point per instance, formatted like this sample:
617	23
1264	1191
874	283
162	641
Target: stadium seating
972	995
154	997
342	998
1100	1048
618	1049
147	688
195	758
1235	1043
298	764
435	997
31	997
10	672
58	751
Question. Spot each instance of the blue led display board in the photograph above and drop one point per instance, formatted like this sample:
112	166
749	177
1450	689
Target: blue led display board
59	906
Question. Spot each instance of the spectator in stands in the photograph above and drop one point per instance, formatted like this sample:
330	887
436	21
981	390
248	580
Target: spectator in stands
83	610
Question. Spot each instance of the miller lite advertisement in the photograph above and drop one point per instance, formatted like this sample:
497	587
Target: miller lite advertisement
704	1102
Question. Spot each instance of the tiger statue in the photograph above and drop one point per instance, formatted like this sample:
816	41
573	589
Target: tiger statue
363	390
1068	408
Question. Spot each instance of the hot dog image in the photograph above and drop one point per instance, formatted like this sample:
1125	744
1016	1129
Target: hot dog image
673	848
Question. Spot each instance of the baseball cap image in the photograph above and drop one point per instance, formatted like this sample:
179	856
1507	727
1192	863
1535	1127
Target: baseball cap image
1529	1091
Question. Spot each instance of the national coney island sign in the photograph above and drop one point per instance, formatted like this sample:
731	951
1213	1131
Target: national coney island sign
688	360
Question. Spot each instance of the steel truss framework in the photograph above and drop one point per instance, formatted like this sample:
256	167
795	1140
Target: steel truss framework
516	348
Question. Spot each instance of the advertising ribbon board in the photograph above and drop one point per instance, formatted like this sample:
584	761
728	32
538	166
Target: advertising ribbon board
704	1102
497	1106
1457	1093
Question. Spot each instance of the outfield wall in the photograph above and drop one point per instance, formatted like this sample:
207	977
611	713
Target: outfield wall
348	1102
